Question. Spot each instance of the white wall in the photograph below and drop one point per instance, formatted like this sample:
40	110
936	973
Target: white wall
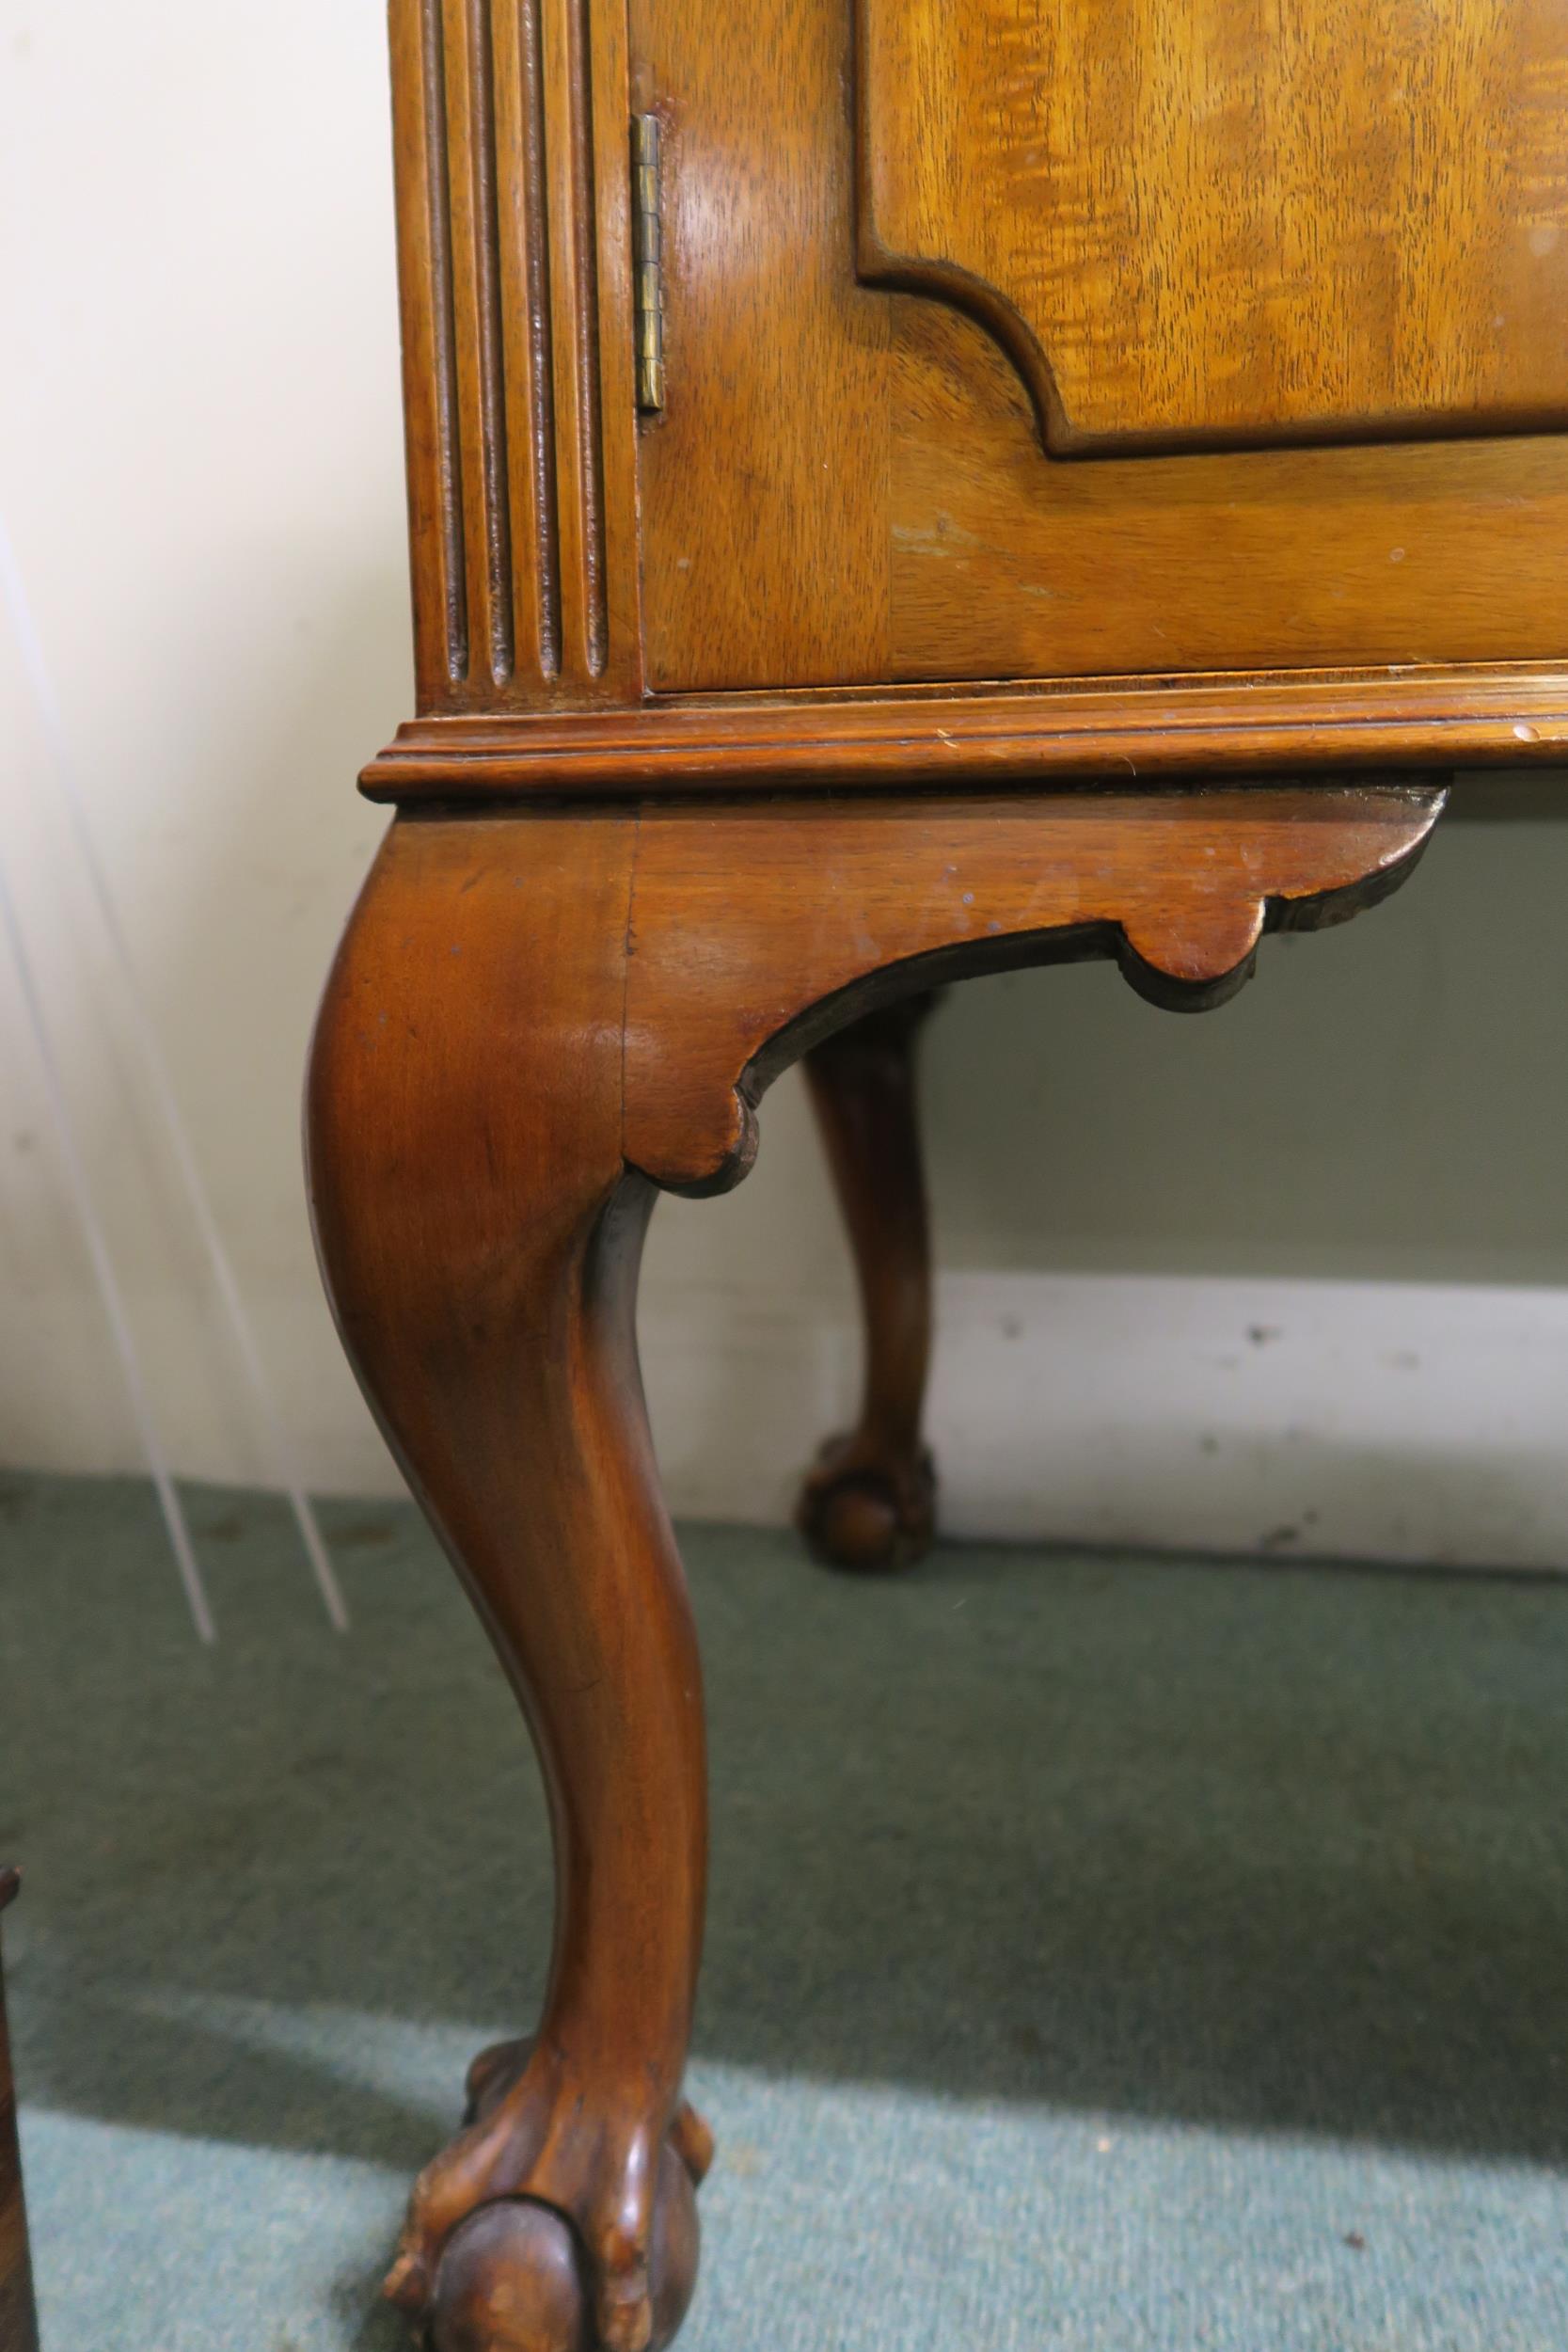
200	471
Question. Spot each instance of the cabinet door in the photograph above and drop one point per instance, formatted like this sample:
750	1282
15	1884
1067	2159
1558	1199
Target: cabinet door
1039	339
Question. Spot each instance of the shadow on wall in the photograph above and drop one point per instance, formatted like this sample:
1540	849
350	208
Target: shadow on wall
1385	1100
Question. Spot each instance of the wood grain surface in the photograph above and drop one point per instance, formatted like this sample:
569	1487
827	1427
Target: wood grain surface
1007	564
850	485
765	547
1220	221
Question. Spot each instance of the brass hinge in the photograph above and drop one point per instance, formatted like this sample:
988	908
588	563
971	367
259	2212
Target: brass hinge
648	256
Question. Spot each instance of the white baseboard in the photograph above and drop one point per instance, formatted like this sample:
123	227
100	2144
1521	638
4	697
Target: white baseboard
1298	1419
1330	1420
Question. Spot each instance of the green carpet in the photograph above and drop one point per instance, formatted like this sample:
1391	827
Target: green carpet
1105	1956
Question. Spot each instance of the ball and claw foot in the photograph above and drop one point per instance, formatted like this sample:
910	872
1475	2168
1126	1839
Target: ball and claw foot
514	2273
866	1509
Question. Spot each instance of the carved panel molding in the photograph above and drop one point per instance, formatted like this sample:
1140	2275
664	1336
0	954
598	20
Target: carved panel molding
1214	223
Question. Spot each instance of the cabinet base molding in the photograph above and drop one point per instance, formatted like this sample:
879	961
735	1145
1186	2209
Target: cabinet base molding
1107	732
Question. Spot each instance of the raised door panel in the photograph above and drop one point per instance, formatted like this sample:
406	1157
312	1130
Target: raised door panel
936	410
1205	223
1008	563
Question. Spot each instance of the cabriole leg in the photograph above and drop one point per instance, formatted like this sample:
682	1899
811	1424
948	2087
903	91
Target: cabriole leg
479	1238
515	1047
869	1500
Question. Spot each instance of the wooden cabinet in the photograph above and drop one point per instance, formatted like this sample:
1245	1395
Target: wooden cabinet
1096	339
896	488
1186	383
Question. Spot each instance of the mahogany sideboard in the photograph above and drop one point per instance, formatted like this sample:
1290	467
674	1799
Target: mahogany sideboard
898	490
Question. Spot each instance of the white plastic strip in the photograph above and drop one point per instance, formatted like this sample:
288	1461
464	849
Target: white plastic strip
103	1267
275	1437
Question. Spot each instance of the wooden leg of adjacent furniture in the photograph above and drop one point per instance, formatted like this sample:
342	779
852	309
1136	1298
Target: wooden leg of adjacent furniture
18	2317
480	1238
869	1500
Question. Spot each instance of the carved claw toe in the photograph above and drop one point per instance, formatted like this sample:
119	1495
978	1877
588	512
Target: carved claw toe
492	2073
692	2141
868	1510
541	2229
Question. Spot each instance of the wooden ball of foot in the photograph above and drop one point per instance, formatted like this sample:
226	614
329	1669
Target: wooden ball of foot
512	2276
509	2281
857	1526
868	1516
